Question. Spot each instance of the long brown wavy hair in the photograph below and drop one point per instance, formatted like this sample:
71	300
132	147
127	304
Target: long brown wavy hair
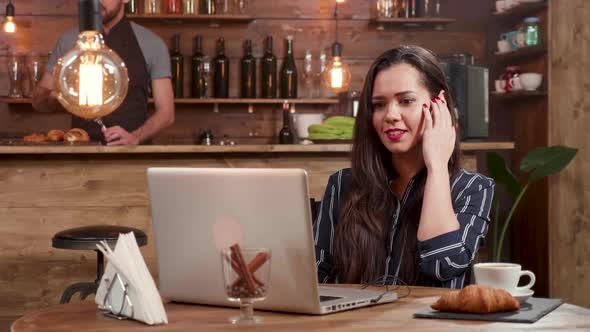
365	220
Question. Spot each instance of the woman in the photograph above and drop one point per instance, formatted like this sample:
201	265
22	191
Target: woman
405	212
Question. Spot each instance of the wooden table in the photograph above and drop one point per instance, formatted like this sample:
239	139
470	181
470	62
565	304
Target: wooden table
395	316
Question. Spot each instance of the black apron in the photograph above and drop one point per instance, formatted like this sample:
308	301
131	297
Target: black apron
132	113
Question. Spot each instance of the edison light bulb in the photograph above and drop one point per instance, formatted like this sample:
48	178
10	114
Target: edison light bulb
90	80
9	25
336	76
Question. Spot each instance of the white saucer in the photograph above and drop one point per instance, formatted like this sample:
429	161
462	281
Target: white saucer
522	295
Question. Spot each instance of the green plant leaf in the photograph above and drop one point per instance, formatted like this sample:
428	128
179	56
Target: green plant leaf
498	170
545	161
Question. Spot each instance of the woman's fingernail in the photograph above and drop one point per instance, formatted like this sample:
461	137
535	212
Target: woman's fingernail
437	98
424	105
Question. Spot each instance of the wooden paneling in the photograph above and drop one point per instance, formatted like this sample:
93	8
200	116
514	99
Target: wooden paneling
42	195
310	22
569	201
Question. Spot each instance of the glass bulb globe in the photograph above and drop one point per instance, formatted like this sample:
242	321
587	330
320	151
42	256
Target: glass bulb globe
90	80
9	25
336	76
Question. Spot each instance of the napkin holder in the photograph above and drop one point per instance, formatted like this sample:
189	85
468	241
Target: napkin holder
117	302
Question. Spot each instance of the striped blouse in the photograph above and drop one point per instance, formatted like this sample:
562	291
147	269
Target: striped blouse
443	259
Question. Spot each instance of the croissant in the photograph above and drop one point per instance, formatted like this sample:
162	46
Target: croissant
55	135
477	299
34	138
76	135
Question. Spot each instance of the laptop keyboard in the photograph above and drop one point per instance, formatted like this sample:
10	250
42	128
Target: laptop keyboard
324	298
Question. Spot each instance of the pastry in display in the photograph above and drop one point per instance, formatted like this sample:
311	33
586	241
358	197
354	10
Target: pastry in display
76	135
55	135
35	138
477	299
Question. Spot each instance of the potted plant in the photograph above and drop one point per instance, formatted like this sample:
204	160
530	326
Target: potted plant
539	163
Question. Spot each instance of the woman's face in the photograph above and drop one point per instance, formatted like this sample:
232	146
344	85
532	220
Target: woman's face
398	96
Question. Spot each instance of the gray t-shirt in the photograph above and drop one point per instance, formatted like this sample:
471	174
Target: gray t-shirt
152	46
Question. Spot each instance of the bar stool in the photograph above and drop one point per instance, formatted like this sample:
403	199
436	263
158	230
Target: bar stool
86	238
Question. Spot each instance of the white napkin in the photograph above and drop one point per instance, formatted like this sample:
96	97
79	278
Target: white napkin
143	302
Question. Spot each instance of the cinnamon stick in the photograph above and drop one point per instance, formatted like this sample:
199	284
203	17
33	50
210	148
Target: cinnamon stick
243	271
253	266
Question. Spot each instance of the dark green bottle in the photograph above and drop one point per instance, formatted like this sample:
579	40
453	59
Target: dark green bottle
286	134
289	72
221	68
207	7
199	76
131	7
268	74
177	66
248	72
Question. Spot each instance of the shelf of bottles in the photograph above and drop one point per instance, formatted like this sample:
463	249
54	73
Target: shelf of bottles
410	13
236	101
188	10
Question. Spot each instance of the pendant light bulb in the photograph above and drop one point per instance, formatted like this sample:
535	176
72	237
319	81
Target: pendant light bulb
337	75
90	80
9	24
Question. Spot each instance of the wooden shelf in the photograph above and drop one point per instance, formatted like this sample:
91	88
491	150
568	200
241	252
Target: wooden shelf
521	53
518	94
254	101
251	148
521	11
237	101
173	18
439	23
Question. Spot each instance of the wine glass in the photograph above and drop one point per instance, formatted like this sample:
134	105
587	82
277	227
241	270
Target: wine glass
308	74
16	74
246	277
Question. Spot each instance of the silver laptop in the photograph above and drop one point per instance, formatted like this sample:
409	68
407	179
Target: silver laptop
198	211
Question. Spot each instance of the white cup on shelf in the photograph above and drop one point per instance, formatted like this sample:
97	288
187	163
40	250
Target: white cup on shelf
531	81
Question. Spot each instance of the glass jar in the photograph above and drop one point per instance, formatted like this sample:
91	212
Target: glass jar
531	31
152	7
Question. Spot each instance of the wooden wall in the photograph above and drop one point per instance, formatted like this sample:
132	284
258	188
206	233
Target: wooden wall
569	118
310	22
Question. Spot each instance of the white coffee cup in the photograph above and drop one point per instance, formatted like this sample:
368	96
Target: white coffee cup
500	86
531	81
515	84
500	6
502	275
504	46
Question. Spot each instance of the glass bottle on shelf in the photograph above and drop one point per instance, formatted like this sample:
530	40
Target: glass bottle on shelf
286	134
384	8
189	7
239	7
177	67
221	71
308	75
248	72
268	69
131	7
199	65
174	6
289	72
222	7
437	8
152	7
207	7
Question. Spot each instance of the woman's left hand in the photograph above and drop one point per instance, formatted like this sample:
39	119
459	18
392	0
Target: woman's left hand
439	134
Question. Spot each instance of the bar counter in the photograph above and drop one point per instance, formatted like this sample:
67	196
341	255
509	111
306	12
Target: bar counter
46	189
